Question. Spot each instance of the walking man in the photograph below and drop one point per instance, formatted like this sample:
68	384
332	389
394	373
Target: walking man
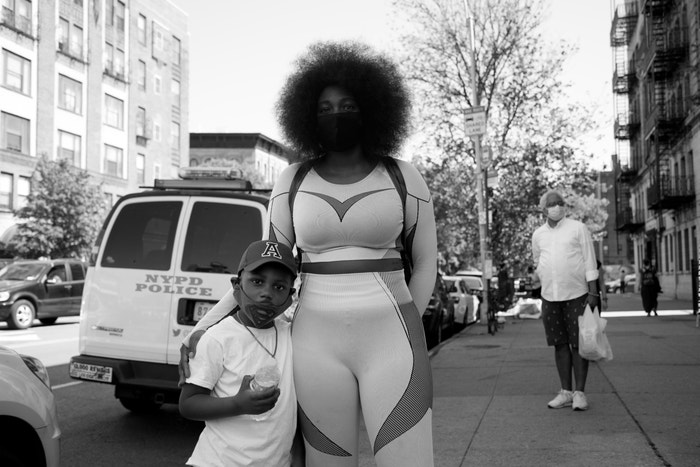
565	262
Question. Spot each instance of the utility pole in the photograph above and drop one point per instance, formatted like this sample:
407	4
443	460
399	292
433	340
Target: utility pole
475	123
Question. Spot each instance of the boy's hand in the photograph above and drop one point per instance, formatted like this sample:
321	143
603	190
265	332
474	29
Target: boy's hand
185	354
255	402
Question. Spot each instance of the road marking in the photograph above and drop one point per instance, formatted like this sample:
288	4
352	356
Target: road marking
42	343
65	385
629	314
19	337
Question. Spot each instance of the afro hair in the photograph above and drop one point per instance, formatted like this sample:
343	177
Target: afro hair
372	79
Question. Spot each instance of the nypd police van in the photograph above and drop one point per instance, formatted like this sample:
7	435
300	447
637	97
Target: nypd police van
163	258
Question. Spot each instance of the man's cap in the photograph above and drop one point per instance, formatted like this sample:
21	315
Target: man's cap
267	251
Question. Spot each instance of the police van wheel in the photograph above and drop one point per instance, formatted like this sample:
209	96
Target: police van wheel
139	405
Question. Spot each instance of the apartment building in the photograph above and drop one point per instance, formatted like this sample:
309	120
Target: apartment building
656	82
102	83
267	156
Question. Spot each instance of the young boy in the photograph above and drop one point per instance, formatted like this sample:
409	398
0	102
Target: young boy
244	425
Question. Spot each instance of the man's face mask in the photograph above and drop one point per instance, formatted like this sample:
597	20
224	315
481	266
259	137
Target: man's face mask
339	131
556	212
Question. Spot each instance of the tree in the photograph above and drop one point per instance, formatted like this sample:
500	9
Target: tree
63	214
534	128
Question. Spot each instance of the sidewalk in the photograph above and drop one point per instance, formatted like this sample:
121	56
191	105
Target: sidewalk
491	394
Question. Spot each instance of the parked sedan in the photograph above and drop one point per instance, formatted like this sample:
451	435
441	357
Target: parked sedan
439	315
43	289
465	302
28	420
613	286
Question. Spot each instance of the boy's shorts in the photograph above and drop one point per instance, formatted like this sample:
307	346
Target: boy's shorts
560	320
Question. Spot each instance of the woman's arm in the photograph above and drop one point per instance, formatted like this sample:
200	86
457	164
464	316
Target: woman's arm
419	221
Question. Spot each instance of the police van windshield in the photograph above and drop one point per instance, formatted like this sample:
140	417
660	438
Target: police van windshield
143	236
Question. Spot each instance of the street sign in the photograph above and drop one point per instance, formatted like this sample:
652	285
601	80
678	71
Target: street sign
475	121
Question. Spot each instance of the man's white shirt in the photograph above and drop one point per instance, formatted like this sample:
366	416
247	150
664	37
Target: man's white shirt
564	259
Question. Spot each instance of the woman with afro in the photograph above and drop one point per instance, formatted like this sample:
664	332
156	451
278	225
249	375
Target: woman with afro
357	334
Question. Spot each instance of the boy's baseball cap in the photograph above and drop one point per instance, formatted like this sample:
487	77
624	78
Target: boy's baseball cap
267	251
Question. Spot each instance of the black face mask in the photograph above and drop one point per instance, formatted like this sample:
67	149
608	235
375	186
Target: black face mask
339	131
260	314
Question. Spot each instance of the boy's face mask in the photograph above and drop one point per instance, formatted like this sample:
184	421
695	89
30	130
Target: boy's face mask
259	314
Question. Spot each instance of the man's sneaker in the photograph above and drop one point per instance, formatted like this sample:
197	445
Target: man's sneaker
563	399
580	401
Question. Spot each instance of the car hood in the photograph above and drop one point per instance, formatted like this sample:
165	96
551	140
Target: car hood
9	286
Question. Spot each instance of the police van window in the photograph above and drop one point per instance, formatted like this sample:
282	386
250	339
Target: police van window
217	235
142	236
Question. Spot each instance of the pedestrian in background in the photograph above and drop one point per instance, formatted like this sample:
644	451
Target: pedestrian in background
563	252
601	287
534	283
650	288
623	284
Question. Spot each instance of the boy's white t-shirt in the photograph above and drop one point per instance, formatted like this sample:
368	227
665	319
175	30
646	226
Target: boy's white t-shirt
225	354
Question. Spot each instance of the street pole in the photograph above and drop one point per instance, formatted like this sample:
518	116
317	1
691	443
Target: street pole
476	139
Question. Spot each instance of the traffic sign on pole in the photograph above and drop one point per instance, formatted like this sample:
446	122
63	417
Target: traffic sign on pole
475	121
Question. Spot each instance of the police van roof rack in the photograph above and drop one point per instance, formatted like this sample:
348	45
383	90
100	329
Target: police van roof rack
207	178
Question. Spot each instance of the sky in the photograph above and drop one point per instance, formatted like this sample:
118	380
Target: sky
241	51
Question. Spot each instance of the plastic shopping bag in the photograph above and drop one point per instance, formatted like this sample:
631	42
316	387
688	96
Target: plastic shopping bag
592	341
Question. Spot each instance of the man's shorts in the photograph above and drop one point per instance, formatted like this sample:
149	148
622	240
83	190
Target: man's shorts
560	320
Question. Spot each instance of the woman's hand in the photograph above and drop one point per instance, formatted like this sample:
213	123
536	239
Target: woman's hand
185	354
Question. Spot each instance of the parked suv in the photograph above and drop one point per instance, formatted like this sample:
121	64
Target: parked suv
163	258
43	289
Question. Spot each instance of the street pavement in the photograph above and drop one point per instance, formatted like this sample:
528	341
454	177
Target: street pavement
491	394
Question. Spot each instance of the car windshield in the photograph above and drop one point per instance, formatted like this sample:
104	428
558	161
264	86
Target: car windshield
473	282
21	272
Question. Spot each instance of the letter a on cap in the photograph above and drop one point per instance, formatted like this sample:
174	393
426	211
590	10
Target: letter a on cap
271	249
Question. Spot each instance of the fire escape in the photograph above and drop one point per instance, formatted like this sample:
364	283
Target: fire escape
627	121
662	55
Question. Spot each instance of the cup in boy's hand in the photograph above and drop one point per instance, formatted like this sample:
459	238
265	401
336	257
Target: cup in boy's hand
265	378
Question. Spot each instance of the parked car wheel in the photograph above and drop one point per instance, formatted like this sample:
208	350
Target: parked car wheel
47	320
139	405
21	315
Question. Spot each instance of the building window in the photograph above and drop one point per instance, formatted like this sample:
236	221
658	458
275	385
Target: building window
109	57
114	112
17	72
17	14
76	41
157	84
176	47
120	12
156	171
175	90
63	28
175	135
140	121
24	186
109	12
679	247
70	94
69	147
156	130
15	133
140	169
114	162
5	191
158	41
141	75
141	29
119	63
